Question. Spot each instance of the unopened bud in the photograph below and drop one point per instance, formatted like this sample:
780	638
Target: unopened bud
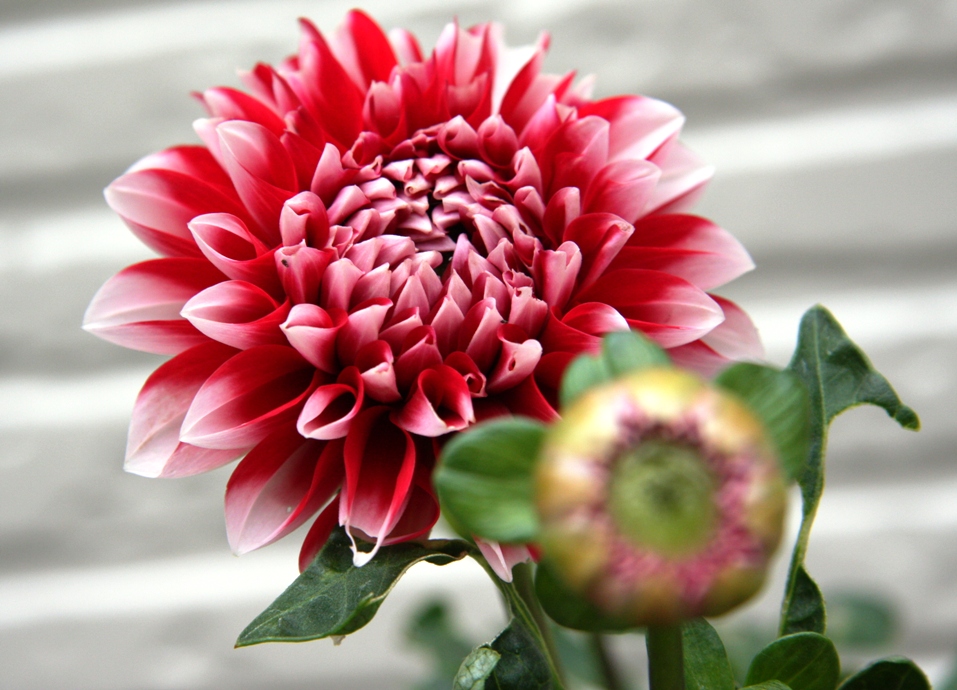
660	498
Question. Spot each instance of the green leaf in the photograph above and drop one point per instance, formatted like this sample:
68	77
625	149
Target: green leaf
432	631
569	610
333	597
627	351
806	612
476	668
838	376
584	372
523	663
894	673
860	620
780	400
485	479
769	685
803	661
706	663
621	352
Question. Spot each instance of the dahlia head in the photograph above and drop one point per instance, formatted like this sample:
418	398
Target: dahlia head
373	248
656	498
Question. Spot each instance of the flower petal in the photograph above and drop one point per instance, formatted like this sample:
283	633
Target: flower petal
153	447
689	247
669	310
330	409
238	314
318	534
279	485
380	463
440	402
248	397
226	241
518	358
502	558
312	331
140	306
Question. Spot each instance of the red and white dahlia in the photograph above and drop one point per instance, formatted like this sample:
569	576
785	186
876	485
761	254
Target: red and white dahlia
373	249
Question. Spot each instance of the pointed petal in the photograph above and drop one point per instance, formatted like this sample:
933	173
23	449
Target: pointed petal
380	465
226	241
623	188
581	329
140	306
312	331
440	402
689	247
669	310
330	409
279	485
238	314
248	397
683	178
518	358
600	236
153	448
158	205
639	125
375	364
301	270
502	558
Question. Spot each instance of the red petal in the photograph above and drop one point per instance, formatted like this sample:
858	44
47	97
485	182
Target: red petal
639	125
503	557
312	331
439	403
518	359
581	329
380	464
158	204
477	337
669	310
600	236
623	188
246	399
301	270
232	104
686	246
555	273
362	326
279	485
368	48
238	314
735	339
140	306
330	409
318	534
375	364
683	177
261	170
153	448
226	241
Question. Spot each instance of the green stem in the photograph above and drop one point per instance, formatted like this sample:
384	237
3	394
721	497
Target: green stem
665	657
525	586
606	664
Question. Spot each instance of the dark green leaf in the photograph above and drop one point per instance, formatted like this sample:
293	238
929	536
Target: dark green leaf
860	620
485	482
432	631
706	663
804	661
476	668
626	351
568	609
769	685
523	664
838	376
333	597
621	352
806	612
888	674
781	401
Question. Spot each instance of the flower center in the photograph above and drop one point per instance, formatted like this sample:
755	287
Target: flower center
662	497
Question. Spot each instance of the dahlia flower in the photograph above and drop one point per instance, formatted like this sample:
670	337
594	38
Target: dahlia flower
661	498
373	249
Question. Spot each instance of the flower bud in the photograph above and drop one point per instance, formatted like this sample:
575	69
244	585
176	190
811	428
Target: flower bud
660	498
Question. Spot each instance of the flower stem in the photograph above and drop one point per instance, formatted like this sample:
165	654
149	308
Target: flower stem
665	657
606	665
525	586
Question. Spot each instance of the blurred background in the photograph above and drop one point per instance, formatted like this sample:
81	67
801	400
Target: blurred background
833	127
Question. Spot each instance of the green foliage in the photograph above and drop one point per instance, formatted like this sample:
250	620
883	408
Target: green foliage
621	352
333	597
803	661
485	479
838	376
706	662
524	661
894	673
431	630
780	400
568	609
769	685
859	620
